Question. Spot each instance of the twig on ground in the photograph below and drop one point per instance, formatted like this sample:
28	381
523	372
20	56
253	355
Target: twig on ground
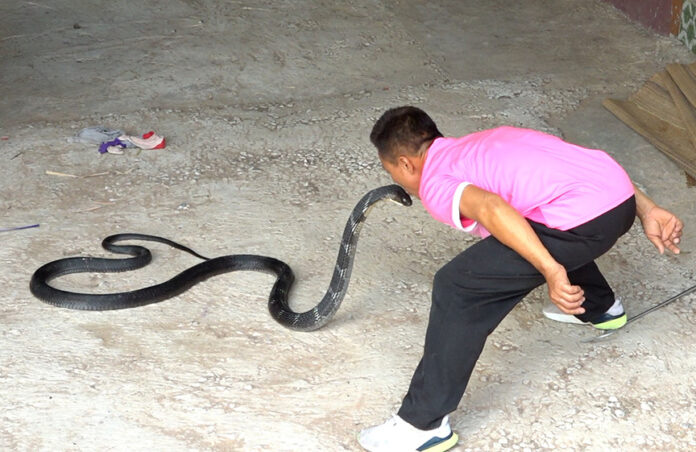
105	173
56	173
39	5
90	209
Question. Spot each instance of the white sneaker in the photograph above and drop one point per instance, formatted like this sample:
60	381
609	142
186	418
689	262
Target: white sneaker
614	318
397	435
552	312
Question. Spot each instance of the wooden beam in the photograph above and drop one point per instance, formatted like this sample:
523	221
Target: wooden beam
682	105
684	81
672	141
654	97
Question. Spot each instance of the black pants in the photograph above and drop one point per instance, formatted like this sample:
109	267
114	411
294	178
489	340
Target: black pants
478	288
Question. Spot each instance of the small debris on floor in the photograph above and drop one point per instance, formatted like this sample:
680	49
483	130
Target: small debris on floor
18	228
114	141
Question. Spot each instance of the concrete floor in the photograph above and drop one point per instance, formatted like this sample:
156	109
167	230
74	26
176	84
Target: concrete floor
266	107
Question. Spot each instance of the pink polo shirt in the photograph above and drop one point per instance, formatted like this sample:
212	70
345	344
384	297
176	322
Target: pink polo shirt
545	179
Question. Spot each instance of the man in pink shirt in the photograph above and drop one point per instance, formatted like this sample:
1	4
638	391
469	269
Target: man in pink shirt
546	209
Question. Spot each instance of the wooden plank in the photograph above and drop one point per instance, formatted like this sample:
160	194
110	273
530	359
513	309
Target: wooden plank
692	69
657	78
684	81
686	112
672	141
653	97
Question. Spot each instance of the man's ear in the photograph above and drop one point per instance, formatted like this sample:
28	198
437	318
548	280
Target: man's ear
406	164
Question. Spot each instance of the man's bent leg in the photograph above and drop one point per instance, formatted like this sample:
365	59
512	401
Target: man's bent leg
471	296
476	290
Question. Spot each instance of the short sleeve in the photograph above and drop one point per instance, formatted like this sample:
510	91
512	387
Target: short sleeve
459	222
441	197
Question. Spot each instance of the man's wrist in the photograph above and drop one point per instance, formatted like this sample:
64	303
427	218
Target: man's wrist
643	204
549	268
643	211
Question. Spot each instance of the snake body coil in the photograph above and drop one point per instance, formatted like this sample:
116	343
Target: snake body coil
278	305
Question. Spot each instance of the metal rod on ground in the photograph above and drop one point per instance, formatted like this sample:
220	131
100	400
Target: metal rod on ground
664	303
646	312
17	228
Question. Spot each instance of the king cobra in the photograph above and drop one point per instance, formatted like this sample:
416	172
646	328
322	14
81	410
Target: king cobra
278	305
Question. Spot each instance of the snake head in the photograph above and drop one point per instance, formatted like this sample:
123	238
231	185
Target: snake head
400	196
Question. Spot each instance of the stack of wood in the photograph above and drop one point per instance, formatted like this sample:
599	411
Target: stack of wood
663	111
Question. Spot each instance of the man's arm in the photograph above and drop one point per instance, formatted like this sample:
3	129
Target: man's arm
662	227
508	226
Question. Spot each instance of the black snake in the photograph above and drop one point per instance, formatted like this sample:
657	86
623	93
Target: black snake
278	305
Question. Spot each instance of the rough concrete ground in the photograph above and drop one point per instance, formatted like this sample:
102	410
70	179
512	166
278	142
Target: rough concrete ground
266	107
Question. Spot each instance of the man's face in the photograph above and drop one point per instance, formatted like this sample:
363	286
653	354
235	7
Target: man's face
404	173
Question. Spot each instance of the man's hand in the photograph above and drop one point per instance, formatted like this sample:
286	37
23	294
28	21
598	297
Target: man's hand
662	228
567	297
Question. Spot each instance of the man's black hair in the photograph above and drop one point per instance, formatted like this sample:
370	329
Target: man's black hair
402	129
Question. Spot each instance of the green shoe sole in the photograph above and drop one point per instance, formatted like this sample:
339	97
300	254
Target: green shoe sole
613	324
443	445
